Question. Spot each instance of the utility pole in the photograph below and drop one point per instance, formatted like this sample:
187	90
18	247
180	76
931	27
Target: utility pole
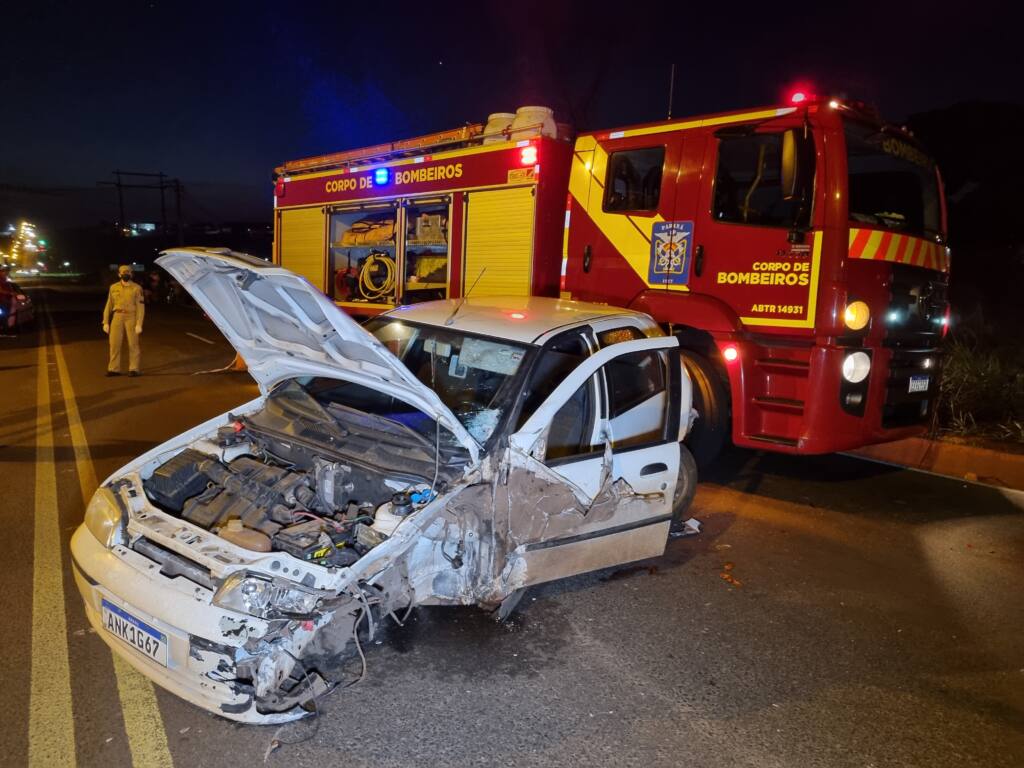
120	204
163	207
162	183
177	211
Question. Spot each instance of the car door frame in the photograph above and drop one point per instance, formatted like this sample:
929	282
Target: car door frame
638	524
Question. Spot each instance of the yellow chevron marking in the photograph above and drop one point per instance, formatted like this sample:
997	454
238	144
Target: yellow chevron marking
874	241
894	246
629	235
918	251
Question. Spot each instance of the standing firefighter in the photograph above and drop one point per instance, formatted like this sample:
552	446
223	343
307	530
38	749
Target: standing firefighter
122	316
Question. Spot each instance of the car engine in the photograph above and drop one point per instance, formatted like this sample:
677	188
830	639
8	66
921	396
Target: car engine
277	495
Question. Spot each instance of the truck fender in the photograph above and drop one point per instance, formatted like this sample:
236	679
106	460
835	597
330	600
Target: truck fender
704	312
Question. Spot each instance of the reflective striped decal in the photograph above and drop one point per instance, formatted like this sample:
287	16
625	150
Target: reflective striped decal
879	245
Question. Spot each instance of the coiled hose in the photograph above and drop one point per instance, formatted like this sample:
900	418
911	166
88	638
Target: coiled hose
366	284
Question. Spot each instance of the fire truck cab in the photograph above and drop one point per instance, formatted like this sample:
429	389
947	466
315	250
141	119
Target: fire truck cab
797	251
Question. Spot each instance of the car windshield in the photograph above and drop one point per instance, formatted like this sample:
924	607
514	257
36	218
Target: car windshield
893	184
473	375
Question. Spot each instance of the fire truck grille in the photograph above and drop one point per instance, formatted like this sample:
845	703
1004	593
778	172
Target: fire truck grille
917	308
913	321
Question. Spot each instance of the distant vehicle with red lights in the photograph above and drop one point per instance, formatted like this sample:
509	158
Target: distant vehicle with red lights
16	308
797	251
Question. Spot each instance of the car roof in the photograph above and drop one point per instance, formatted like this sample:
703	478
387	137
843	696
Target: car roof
516	318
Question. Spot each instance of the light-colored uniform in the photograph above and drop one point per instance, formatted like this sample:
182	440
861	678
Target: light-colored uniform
123	313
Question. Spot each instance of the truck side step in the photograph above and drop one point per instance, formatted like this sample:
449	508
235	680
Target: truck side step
781	362
774	440
781	403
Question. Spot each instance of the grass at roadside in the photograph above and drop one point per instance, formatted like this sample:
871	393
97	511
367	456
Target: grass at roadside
982	392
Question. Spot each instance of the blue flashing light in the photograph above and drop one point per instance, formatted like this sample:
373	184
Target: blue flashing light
381	176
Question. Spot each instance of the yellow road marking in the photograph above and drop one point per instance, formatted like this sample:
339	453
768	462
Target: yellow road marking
51	724
147	737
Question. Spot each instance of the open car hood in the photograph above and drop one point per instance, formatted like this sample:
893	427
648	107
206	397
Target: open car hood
284	327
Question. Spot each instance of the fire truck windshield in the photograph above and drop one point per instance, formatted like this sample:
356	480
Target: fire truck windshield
892	183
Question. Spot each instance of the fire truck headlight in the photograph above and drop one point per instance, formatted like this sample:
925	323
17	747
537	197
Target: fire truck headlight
857	315
856	367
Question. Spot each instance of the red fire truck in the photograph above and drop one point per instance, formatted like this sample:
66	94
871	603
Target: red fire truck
797	251
426	218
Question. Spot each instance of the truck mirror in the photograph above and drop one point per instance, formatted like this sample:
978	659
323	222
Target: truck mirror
790	165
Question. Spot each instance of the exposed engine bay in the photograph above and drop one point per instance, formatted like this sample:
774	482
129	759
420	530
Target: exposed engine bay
274	495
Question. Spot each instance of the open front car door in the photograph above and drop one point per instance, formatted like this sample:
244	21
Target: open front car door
588	479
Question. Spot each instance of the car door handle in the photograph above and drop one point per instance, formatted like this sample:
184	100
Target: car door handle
698	260
653	469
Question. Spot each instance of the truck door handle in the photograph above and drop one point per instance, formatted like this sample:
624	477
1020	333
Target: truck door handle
653	469
698	260
587	256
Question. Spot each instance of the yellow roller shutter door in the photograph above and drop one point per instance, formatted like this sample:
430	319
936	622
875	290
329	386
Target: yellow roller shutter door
303	251
499	236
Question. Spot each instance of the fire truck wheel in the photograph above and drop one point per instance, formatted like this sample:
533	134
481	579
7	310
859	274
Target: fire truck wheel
711	401
686	487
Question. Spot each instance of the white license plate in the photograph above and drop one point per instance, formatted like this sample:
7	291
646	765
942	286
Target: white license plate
919	384
148	641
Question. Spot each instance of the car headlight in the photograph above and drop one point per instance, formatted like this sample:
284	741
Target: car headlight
265	598
103	518
856	367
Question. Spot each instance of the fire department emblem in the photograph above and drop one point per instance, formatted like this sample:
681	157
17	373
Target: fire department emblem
671	246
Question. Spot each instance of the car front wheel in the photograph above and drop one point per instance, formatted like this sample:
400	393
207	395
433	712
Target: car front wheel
686	488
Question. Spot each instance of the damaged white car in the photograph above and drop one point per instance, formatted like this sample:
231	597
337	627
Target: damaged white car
450	453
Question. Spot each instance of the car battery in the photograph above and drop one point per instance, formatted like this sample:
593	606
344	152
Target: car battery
314	543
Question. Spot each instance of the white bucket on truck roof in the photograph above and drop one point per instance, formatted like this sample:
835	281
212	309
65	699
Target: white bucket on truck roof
531	122
496	123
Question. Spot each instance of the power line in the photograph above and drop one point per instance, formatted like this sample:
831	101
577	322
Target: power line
163	184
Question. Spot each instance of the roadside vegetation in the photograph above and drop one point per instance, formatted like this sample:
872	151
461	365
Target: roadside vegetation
982	392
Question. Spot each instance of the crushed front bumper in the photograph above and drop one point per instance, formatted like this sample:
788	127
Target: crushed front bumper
204	642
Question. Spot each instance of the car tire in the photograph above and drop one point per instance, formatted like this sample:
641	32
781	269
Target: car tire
686	488
710	429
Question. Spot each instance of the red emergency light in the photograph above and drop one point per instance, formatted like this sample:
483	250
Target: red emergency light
800	94
730	352
279	187
528	155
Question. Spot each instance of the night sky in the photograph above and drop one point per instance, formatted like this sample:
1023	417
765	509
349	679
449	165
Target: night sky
218	94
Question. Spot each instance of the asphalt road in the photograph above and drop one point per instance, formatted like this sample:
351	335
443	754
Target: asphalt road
832	613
